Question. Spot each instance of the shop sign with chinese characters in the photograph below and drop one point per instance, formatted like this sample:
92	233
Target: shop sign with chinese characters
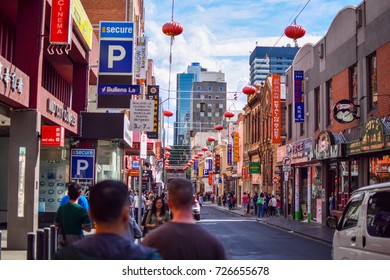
236	148
11	79
373	135
275	109
299	101
53	136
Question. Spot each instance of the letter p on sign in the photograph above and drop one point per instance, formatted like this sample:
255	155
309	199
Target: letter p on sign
115	53
82	166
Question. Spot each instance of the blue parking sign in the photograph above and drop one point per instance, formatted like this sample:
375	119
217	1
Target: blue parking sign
116	57
82	164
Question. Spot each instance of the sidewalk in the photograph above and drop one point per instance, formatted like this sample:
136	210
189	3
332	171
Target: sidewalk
312	230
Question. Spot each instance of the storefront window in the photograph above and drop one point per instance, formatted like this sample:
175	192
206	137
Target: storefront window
317	194
108	162
379	169
54	174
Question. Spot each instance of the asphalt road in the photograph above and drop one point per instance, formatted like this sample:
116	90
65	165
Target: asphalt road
246	239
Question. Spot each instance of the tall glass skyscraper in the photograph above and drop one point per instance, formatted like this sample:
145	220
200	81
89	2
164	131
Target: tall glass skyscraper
267	60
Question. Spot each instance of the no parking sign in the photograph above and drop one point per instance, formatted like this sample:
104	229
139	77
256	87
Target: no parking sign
82	164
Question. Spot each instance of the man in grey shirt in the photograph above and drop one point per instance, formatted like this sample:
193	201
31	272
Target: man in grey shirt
182	239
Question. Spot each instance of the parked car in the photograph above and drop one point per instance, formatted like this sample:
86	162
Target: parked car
363	230
196	209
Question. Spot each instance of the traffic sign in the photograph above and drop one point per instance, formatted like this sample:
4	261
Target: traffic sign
82	164
287	168
286	161
141	115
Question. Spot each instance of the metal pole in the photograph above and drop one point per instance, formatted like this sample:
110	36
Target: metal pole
46	251
141	164
30	246
53	241
40	244
0	243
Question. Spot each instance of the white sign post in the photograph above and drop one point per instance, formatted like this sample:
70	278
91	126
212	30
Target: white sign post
141	115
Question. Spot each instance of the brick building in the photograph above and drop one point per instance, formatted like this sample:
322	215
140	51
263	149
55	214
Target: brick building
338	132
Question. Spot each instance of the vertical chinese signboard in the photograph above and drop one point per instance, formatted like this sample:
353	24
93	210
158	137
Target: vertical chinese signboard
217	164
236	157
299	104
276	109
229	154
153	94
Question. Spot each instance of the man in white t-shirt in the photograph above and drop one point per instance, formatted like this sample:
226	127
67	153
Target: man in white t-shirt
136	206
272	205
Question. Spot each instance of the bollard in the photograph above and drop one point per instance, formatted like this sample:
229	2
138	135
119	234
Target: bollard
40	244
30	246
0	242
46	247
53	241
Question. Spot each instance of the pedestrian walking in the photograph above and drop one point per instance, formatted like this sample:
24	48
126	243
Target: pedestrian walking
259	203
133	231
272	206
224	199
158	215
71	218
255	198
109	208
139	207
182	238
82	200
245	201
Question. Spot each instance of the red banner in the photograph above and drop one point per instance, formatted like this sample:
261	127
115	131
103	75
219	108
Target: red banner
60	23
210	178
276	109
53	136
158	150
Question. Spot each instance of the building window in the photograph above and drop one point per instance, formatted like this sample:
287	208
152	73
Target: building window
220	88
353	84
210	88
198	105
217	114
217	97
210	106
317	114
210	96
289	122
201	96
209	114
220	106
372	82
198	88
329	102
202	114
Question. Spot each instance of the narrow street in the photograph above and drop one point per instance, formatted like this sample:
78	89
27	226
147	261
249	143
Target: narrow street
244	238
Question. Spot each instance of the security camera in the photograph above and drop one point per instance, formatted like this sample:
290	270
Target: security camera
74	142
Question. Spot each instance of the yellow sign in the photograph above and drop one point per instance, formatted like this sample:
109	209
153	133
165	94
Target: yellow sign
82	22
236	154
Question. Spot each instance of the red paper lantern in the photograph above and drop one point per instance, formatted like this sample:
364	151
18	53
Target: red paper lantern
168	113
167	155
167	148
249	90
228	114
190	161
294	31
200	154
211	139
204	149
166	167
172	28
218	127
196	156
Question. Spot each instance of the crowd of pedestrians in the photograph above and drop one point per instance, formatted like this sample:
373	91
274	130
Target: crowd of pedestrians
167	231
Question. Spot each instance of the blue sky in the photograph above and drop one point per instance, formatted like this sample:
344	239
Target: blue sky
220	34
